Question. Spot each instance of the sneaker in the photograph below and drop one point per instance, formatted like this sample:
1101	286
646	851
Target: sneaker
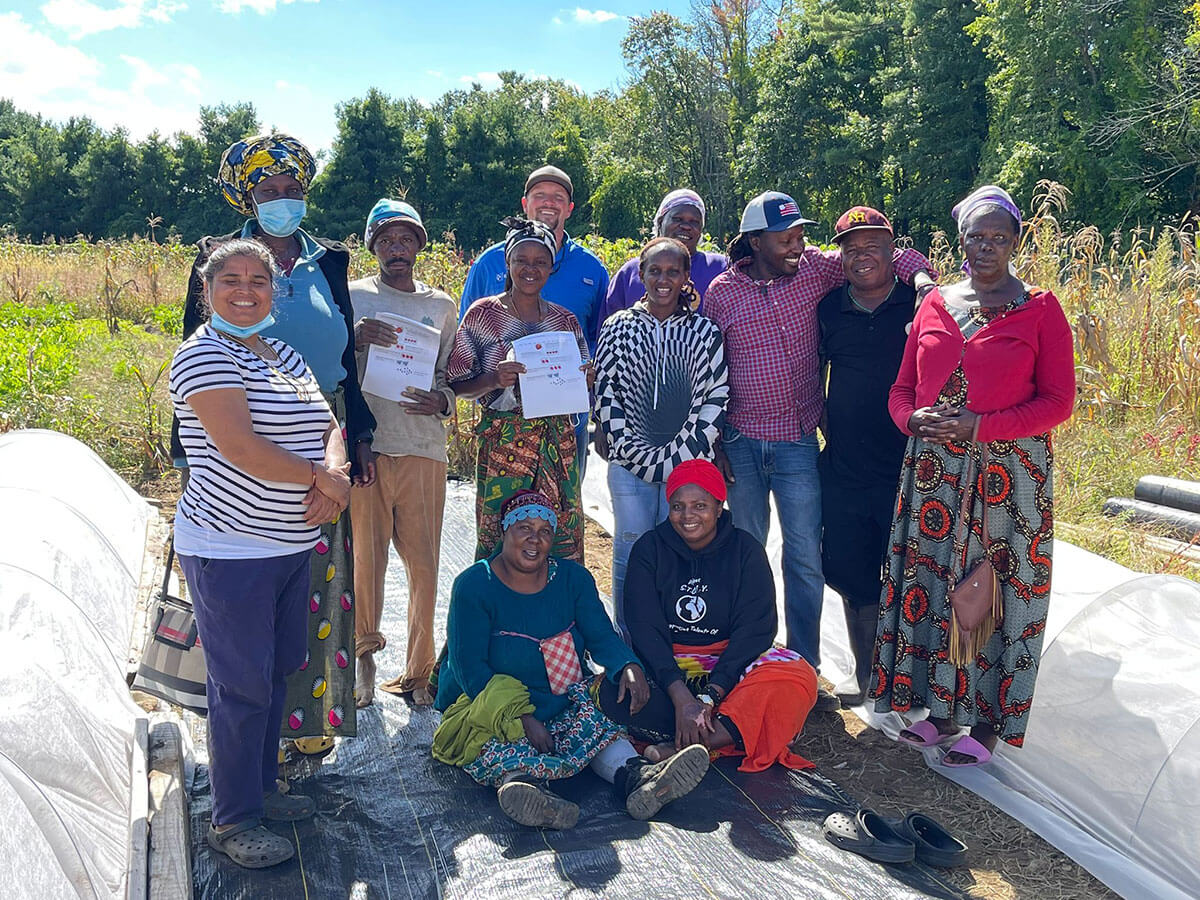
527	803
648	786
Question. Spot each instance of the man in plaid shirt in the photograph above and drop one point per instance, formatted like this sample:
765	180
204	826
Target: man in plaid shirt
766	307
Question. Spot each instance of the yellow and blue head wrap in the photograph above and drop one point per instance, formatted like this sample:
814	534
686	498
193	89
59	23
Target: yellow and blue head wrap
249	161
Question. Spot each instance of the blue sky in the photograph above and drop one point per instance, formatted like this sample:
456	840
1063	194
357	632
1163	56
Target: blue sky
150	64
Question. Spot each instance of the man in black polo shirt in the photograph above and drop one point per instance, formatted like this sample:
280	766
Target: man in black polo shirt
863	330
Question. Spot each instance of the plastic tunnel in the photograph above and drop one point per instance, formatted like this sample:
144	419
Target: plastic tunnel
71	545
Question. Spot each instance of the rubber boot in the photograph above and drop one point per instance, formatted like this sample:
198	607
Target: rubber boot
646	787
861	623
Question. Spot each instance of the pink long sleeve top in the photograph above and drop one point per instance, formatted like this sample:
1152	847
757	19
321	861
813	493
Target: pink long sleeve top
1020	368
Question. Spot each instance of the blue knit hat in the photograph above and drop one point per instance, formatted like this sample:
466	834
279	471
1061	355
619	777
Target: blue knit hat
389	212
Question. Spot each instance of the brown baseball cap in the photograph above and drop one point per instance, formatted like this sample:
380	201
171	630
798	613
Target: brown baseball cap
550	173
858	218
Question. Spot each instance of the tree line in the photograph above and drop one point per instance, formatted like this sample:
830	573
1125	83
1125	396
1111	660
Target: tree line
901	105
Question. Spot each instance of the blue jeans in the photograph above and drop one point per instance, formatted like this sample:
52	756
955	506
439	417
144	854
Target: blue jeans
787	469
637	507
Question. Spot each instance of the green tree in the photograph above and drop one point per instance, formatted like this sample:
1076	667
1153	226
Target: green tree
370	160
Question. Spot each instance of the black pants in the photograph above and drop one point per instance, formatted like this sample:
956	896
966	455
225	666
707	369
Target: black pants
857	524
654	722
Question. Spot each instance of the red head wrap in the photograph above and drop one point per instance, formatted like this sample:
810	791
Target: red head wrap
699	472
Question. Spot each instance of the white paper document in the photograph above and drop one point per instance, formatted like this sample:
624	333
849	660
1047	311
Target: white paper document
552	384
410	362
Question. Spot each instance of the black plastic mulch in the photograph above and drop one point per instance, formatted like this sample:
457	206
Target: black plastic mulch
393	823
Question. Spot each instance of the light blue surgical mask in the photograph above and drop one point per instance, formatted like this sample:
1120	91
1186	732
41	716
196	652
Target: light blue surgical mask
240	331
280	218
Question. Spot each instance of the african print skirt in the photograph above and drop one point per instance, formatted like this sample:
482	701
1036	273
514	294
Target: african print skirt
580	732
516	453
320	698
911	664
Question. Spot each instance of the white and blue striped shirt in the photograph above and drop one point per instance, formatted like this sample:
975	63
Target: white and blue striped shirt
225	512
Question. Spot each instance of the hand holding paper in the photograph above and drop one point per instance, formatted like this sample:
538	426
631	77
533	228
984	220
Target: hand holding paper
553	383
409	362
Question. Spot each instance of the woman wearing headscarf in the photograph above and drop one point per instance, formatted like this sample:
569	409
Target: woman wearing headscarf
266	178
517	453
700	607
680	215
660	397
517	711
988	371
268	466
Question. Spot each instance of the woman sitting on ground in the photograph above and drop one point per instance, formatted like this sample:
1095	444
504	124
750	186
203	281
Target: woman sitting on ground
700	605
661	388
259	437
988	371
517	709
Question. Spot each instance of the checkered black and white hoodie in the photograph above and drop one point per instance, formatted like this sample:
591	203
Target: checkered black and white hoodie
660	389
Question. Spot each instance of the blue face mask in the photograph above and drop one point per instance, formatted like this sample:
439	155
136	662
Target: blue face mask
242	331
280	218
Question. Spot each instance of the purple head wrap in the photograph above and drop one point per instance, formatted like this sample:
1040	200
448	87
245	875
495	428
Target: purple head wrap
988	195
672	202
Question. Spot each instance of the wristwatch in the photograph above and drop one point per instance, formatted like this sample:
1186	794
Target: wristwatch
707	700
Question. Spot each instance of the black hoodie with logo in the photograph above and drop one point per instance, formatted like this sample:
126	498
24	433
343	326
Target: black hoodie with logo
676	595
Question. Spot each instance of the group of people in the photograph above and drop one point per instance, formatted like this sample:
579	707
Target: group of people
927	505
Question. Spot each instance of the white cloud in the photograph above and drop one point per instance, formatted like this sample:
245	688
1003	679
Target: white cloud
590	16
58	81
262	7
434	73
80	18
487	80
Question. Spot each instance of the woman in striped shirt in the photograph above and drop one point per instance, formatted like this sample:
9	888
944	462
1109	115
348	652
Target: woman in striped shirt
268	465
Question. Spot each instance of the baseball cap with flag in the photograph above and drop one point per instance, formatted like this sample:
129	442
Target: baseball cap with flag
859	217
772	211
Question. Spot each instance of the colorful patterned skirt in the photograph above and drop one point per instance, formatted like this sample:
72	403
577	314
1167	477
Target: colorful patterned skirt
320	699
580	732
516	453
912	666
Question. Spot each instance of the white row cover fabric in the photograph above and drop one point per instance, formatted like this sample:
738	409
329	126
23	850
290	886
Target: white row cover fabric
71	547
1110	769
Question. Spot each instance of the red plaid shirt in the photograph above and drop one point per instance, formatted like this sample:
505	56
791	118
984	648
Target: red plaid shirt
772	338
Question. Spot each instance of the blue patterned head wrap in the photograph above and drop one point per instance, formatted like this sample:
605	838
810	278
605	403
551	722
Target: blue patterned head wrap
248	162
527	504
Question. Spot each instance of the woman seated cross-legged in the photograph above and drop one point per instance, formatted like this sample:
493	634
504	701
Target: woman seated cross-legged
700	607
517	710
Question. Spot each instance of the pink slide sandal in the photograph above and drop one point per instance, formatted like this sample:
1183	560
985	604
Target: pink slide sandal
968	746
925	734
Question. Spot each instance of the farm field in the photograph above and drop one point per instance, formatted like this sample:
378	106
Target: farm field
87	331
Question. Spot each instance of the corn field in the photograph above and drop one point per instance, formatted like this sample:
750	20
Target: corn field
87	328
